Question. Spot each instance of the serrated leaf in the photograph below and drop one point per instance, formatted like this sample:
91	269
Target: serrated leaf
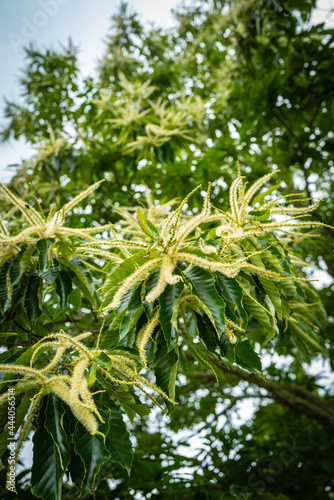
32	299
63	288
132	314
246	357
204	286
275	255
42	247
167	301
51	274
258	312
232	291
165	368
110	337
147	226
118	439
4	299
81	282
92	451
207	333
305	334
46	471
104	361
54	413
26	258
15	269
273	293
119	274
227	349
125	398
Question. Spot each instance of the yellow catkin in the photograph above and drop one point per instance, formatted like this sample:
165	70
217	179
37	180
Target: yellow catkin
234	198
140	274
194	222
84	416
119	244
256	186
172	221
296	211
23	370
77	378
165	277
30	213
144	335
80	197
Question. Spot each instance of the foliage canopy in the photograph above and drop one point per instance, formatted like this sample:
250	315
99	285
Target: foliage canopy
114	303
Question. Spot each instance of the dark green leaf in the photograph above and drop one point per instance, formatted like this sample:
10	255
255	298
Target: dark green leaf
167	302
246	357
42	246
32	299
204	286
118	438
4	299
46	471
63	288
92	451
232	291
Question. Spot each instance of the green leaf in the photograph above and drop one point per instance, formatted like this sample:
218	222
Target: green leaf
132	314
204	285
92	451
273	293
259	313
80	280
26	259
63	288
260	196
207	333
125	398
227	349
165	369
32	300
42	247
51	274
4	299
46	471
147	226
232	291
305	334
15	268
167	301
260	215
118	275
91	375
75	298
104	361
275	255
110	338
246	357
118	439
54	413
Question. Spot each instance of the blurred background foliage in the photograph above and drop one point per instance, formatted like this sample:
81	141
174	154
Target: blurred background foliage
246	80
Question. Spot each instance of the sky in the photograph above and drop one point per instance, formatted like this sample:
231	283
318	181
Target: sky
46	23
